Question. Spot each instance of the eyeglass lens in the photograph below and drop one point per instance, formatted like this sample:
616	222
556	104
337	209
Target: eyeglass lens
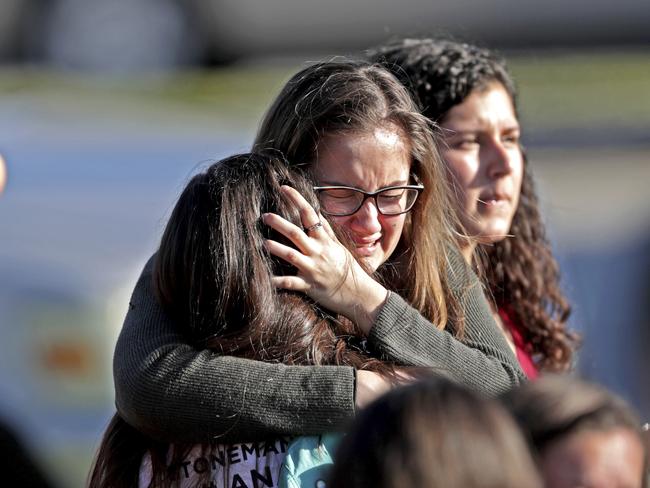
346	201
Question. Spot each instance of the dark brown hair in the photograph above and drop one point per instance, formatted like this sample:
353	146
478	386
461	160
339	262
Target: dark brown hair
213	275
521	272
434	434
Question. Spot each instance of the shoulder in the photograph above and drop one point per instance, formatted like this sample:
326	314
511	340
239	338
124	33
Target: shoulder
308	461
459	274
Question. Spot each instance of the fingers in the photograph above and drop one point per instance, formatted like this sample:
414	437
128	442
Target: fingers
314	225
288	254
292	232
294	283
308	215
327	228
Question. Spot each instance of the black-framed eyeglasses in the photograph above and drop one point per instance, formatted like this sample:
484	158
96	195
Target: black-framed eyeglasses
341	201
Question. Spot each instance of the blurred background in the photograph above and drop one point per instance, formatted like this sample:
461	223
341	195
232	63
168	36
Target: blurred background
108	106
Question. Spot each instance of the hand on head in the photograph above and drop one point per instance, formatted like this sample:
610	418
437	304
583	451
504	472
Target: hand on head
327	271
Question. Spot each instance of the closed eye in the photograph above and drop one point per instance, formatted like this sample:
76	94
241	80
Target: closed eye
340	193
392	195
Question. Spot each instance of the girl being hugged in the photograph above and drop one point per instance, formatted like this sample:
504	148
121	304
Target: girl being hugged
213	274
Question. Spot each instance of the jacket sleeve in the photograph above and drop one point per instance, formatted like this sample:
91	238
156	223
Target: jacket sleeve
480	359
173	392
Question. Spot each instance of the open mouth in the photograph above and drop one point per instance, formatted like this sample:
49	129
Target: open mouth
494	200
367	247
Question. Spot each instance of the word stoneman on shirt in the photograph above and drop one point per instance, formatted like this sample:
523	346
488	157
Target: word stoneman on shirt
250	465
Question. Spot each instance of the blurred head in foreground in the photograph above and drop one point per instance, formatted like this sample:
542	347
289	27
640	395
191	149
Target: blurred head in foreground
582	435
434	434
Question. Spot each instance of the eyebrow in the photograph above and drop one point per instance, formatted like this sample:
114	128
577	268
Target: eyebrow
516	125
448	132
337	183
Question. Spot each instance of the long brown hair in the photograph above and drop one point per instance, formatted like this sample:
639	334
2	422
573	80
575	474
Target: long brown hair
521	272
355	97
213	275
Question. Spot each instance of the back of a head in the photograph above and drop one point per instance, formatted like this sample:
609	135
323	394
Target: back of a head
441	73
560	404
434	434
212	267
555	409
213	274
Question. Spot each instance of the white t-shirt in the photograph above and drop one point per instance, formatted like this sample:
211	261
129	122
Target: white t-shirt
249	465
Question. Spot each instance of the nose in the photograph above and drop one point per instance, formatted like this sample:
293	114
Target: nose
499	158
366	219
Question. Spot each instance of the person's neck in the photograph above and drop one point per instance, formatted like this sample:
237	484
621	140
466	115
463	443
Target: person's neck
467	250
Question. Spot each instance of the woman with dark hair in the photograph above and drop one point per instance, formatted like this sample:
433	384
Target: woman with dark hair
469	93
352	128
581	434
213	275
434	434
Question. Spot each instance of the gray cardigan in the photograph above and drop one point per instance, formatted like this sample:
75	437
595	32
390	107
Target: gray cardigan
174	392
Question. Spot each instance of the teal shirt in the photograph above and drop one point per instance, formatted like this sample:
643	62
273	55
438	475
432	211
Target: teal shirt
309	461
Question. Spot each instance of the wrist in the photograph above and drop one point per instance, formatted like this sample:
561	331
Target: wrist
370	302
369	386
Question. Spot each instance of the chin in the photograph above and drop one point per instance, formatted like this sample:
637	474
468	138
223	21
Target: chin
492	235
372	262
489	240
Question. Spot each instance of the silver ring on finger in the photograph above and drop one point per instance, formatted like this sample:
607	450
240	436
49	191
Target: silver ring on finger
317	225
